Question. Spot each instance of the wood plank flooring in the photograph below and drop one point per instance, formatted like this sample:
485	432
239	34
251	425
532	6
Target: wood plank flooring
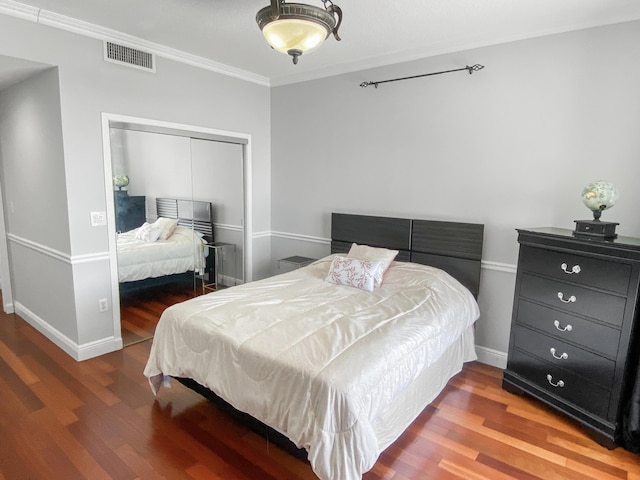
60	419
140	311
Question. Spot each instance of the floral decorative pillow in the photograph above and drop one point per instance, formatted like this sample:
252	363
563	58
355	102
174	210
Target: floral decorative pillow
166	226
353	272
382	255
148	233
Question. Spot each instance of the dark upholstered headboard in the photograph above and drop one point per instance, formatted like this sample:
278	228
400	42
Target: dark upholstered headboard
190	213
453	247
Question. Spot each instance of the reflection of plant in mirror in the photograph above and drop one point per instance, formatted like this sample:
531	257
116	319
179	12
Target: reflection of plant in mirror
120	181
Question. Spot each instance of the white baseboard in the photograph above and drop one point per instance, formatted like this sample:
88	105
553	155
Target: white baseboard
491	357
78	352
98	347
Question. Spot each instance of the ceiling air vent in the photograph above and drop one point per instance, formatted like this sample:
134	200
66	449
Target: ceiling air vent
128	56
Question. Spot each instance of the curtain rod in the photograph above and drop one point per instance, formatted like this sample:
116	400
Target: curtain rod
469	69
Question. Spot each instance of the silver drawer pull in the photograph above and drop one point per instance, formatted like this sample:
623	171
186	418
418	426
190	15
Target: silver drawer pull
564	355
560	383
568	328
571	299
574	269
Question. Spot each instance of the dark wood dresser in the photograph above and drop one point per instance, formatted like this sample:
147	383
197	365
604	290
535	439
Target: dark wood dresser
572	332
130	210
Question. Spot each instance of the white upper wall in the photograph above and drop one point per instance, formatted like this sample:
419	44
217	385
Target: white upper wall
157	165
217	177
176	93
33	161
510	146
34	188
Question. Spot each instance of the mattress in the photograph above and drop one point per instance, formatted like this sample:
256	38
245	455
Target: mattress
182	252
338	370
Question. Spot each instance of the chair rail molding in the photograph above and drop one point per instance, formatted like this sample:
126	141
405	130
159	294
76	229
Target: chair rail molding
486	264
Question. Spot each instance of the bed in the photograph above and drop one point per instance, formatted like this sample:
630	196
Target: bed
142	262
341	371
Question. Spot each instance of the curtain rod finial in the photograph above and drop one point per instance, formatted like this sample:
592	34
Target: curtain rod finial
474	68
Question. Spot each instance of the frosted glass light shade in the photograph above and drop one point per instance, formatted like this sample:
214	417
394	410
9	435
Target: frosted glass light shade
294	34
297	28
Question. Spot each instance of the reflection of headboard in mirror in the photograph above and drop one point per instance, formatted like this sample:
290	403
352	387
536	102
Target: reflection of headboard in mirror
190	213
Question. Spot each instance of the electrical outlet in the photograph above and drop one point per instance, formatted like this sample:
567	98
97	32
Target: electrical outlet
103	306
98	219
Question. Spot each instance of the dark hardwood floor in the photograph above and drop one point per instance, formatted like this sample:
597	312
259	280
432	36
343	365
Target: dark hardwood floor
97	419
141	310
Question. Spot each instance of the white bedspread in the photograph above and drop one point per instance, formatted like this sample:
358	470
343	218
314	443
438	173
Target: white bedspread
316	361
182	252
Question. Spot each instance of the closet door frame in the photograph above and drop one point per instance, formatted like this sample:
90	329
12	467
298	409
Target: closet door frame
112	119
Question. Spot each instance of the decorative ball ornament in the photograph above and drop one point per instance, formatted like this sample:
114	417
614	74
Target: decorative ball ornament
599	196
120	181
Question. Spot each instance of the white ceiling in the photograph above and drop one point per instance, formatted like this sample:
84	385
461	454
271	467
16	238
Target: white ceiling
373	32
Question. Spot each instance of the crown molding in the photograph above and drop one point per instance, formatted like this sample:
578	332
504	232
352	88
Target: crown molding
27	12
19	10
73	25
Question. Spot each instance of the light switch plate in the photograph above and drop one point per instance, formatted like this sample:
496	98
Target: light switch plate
98	219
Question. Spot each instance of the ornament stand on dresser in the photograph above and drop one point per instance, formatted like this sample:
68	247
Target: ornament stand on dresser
573	333
597	196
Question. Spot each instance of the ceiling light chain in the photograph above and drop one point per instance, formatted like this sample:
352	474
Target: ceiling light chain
473	68
297	28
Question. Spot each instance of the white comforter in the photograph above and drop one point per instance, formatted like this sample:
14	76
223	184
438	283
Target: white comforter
182	252
316	361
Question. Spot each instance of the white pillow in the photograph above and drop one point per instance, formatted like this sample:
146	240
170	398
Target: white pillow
382	255
353	272
166	226
148	233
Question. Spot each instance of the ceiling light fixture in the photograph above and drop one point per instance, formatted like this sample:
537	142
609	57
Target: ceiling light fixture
296	28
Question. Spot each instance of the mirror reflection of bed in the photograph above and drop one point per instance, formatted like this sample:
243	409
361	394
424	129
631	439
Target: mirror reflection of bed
149	161
162	260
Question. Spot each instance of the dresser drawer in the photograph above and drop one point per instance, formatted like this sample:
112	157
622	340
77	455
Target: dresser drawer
564	326
593	272
574	299
592	367
574	389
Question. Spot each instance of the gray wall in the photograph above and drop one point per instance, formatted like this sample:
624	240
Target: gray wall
509	146
34	186
88	87
218	178
157	165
